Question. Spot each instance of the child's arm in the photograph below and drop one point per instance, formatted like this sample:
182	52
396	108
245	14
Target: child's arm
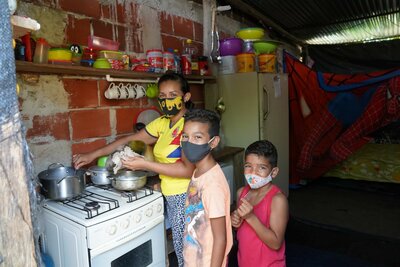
273	236
235	218
218	228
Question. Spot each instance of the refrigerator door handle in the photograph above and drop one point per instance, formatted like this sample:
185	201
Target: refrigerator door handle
265	102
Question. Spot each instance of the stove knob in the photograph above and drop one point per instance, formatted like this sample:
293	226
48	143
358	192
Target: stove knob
125	223
159	208
138	218
149	212
111	230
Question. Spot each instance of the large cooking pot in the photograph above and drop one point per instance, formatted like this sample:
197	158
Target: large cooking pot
128	180
60	183
100	175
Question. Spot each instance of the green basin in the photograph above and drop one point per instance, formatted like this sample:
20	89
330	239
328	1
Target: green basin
264	47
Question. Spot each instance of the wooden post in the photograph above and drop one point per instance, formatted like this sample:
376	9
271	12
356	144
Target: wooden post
16	231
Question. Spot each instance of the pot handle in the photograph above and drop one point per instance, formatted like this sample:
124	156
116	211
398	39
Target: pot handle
68	176
54	165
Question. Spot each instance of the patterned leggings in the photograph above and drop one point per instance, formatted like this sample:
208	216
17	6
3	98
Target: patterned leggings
176	217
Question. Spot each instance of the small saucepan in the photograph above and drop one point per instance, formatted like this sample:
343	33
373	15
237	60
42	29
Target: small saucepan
128	180
99	175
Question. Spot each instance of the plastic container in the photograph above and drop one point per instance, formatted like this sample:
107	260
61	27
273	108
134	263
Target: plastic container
203	66
190	49
228	65
102	43
251	33
168	61
266	63
248	47
186	61
177	61
102	63
245	62
110	54
230	46
264	47
59	54
41	51
155	58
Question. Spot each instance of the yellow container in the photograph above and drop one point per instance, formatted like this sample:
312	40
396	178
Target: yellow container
245	62
266	63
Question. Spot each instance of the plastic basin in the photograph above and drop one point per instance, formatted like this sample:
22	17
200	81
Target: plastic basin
250	33
230	46
264	47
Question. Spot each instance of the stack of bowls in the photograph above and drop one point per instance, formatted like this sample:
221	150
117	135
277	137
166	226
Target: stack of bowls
255	46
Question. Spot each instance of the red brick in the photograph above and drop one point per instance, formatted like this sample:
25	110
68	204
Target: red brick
107	12
183	27
121	37
77	31
88	146
198	31
169	41
82	93
53	125
102	29
90	123
197	92
166	23
134	43
90	8
125	119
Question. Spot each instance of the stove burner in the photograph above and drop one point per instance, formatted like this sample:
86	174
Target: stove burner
92	205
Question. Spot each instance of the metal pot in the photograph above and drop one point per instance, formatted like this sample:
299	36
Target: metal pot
60	183
99	175
127	180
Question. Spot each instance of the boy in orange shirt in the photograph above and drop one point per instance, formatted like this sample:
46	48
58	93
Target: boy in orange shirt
207	237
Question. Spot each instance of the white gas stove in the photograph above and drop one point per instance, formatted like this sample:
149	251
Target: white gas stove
106	227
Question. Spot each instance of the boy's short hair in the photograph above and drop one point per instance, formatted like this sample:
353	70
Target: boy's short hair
205	116
265	149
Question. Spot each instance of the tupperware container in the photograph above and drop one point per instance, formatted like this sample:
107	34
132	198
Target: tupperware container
102	43
59	54
251	33
264	47
110	54
230	46
246	62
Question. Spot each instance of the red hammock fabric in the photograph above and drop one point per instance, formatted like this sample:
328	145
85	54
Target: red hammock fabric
318	139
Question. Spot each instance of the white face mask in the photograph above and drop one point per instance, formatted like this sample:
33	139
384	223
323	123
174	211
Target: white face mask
256	181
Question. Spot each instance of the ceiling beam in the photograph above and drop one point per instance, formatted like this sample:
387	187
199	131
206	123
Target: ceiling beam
247	9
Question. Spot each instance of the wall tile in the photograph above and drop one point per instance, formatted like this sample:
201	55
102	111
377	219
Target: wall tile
183	27
90	8
82	93
77	31
90	123
55	126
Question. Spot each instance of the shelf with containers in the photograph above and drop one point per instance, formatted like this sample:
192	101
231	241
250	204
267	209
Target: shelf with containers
29	67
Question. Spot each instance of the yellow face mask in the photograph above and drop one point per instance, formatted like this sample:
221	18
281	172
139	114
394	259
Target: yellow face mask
171	106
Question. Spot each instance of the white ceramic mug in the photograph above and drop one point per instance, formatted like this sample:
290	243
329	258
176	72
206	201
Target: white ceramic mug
131	91
140	91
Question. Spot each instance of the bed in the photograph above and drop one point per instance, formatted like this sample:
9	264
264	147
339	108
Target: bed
378	161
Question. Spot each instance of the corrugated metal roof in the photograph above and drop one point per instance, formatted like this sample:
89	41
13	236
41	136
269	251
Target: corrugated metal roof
332	21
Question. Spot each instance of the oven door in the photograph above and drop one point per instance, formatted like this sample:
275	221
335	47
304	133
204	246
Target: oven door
146	249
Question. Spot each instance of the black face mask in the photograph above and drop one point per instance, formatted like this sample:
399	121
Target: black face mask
170	106
193	152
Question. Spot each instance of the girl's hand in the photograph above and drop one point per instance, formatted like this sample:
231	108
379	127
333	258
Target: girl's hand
245	209
235	219
134	163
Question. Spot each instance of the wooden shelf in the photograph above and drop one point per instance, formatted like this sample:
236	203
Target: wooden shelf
29	67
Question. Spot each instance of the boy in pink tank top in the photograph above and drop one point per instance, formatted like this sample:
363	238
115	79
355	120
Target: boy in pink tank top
262	210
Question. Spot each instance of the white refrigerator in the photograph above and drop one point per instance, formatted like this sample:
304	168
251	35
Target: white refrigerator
256	107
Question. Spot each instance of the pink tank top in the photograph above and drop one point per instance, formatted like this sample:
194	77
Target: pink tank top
252	251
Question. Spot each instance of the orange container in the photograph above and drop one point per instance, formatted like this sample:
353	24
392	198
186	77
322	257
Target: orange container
245	62
266	63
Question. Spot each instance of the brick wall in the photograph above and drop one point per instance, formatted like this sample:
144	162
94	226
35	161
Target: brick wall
67	115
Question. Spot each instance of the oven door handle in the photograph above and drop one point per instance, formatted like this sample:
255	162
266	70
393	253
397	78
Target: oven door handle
120	240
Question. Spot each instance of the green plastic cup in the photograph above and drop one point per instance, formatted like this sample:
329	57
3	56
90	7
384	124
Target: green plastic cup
101	162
